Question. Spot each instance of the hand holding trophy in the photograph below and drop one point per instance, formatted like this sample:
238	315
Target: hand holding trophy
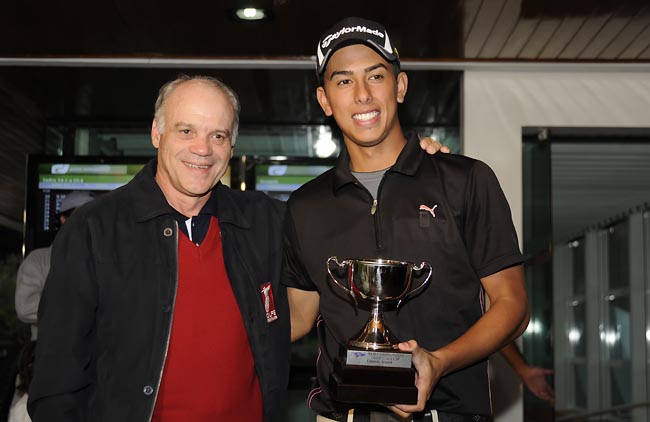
371	369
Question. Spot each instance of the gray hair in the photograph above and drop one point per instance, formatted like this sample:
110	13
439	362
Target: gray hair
167	90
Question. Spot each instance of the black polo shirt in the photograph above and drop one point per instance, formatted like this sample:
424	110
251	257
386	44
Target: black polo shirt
468	235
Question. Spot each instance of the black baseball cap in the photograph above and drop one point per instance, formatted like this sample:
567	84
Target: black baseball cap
350	31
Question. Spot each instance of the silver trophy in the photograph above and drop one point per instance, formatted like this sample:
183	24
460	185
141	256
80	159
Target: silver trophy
372	369
377	281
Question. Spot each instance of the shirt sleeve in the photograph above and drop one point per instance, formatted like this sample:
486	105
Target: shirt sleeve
489	232
294	273
29	284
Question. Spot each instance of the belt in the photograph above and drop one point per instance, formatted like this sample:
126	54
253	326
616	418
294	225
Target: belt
362	415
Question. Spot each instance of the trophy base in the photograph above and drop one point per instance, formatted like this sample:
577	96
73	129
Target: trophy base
373	384
388	359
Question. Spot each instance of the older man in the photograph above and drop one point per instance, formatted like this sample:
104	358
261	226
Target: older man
163	300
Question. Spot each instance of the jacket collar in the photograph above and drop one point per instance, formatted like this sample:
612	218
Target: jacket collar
149	201
407	163
229	210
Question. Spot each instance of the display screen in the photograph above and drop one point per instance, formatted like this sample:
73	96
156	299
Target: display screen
55	180
279	179
87	176
50	179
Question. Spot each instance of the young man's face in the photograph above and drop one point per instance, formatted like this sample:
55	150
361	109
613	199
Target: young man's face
361	92
194	147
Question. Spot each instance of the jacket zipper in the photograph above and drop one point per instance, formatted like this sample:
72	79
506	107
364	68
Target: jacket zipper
171	320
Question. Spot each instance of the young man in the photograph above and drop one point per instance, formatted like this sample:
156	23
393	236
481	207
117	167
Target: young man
386	198
163	300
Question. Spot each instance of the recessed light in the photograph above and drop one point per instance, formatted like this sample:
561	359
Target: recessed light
250	14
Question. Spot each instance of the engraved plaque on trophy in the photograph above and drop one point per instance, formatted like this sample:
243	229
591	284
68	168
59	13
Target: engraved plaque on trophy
371	368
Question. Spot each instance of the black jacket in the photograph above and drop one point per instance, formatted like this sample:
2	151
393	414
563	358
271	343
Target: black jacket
106	311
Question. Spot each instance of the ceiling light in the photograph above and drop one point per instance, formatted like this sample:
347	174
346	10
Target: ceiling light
250	14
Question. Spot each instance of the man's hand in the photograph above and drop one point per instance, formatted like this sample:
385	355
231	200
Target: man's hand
428	368
535	380
431	146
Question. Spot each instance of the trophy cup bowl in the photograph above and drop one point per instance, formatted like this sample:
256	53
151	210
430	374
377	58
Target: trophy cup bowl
378	281
373	370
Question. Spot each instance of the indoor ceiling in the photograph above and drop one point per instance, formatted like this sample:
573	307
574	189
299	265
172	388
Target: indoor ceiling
422	29
60	60
597	179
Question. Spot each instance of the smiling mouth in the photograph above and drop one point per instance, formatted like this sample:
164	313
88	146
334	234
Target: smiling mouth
363	117
196	166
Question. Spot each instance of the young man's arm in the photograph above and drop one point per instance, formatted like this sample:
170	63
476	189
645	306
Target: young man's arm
506	319
304	299
303	307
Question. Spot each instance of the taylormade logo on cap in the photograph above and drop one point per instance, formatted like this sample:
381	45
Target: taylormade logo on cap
350	31
346	30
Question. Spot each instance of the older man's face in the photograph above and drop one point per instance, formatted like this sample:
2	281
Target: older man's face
194	147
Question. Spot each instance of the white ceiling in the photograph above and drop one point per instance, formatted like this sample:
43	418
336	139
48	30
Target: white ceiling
594	184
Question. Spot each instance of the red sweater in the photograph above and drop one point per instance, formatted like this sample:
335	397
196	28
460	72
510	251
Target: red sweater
209	373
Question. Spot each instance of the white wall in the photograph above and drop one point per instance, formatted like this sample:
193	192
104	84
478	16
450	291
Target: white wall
497	104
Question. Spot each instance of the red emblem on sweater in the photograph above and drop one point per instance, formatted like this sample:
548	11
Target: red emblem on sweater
269	304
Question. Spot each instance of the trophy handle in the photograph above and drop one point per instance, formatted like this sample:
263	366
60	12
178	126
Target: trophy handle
333	259
424	283
426	280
